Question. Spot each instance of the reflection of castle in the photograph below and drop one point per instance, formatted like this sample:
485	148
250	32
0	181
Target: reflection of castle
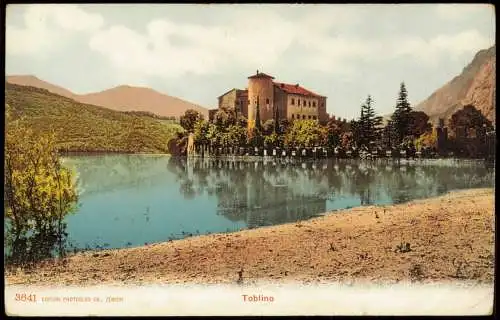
255	193
278	192
276	101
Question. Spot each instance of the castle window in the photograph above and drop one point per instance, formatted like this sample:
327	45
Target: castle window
309	117
314	104
298	102
309	103
293	101
314	117
293	117
304	116
267	101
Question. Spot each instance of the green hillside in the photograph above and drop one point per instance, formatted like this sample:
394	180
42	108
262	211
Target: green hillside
87	128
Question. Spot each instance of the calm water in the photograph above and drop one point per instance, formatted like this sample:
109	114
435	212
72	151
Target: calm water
129	200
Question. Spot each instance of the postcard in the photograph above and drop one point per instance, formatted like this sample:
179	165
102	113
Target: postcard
249	159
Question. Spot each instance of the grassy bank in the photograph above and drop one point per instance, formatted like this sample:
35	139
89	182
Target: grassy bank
448	238
87	128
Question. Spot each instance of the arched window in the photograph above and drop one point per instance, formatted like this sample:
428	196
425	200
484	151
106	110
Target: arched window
309	103
304	116
267	101
293	117
314	104
293	101
298	102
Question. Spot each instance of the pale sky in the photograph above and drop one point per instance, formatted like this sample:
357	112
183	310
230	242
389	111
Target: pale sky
197	52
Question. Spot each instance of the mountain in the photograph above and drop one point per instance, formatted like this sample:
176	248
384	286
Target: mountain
476	85
85	127
33	81
128	98
121	98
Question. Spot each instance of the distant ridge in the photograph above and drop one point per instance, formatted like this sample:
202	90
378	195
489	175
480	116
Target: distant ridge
121	98
476	85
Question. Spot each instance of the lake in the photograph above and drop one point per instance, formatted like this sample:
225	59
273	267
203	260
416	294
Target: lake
130	200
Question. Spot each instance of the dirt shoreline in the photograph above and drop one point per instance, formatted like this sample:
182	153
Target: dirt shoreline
448	238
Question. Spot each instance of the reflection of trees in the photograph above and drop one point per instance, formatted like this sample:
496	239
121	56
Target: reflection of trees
262	193
105	173
35	246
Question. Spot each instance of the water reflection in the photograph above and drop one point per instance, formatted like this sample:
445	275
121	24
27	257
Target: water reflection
273	192
28	249
130	200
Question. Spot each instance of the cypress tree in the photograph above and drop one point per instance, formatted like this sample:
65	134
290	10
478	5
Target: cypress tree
368	123
401	116
258	125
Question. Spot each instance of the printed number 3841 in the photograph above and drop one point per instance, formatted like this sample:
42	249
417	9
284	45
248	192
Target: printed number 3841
25	297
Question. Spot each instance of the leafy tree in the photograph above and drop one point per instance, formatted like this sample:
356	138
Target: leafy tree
469	117
401	116
235	136
426	140
268	127
214	135
347	140
274	140
189	119
201	129
242	121
419	123
303	133
333	133
283	126
255	137
38	193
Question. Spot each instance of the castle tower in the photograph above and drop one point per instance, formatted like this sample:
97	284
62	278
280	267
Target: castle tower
260	86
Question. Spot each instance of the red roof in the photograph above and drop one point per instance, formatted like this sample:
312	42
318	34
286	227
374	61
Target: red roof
260	75
295	89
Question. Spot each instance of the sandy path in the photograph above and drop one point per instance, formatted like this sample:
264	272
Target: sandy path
451	237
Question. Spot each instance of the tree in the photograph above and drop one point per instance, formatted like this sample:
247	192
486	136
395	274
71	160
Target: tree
333	133
303	133
401	116
389	134
258	124
426	140
419	123
469	117
273	140
242	121
347	140
38	193
368	123
189	119
268	127
201	129
235	136
255	137
221	119
283	126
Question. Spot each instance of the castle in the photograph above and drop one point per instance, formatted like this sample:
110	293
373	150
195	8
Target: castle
276	100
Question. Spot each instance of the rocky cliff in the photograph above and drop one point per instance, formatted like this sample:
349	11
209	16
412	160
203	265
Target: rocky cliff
476	85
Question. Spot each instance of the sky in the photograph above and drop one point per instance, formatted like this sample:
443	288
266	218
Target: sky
197	52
